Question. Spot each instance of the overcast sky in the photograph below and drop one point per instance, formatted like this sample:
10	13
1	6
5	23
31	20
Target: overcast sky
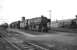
12	10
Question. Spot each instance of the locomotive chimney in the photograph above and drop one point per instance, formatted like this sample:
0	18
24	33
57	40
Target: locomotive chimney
23	18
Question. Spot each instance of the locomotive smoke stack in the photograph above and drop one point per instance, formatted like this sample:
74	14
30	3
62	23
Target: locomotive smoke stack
23	18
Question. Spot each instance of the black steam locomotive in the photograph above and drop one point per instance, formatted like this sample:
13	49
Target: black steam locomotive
35	24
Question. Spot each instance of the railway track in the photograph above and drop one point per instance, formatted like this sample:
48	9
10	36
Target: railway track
26	45
4	36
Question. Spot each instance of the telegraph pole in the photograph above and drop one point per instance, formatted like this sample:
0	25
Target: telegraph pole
50	17
50	14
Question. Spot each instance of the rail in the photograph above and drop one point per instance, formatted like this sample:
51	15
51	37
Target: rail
18	48
6	38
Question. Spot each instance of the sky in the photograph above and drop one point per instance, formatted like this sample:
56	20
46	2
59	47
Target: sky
13	10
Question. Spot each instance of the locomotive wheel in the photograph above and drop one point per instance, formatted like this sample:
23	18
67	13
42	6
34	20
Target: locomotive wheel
45	29
39	30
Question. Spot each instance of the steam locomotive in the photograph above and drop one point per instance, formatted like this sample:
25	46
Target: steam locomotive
40	24
4	26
